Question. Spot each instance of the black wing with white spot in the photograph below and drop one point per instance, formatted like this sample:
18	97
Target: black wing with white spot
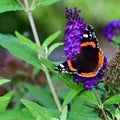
89	35
63	68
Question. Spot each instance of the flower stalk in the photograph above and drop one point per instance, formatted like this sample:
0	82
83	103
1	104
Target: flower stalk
37	40
101	106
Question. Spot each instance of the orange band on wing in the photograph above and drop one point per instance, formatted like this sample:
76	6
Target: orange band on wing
70	66
88	43
90	74
101	59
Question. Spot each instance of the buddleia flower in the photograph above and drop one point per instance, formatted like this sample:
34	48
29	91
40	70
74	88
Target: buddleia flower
111	31
75	30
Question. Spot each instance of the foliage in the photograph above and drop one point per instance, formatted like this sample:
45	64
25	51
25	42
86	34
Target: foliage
116	42
77	103
9	5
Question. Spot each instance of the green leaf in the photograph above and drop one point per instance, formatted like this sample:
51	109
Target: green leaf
75	116
10	94
50	39
36	110
115	41
66	78
54	46
9	5
117	114
3	81
13	45
4	101
82	116
54	119
46	100
89	97
54	113
113	100
16	115
70	96
109	118
79	104
27	41
48	2
64	114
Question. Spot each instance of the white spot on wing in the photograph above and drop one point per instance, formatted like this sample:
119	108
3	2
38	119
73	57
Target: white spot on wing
61	65
94	36
85	35
90	35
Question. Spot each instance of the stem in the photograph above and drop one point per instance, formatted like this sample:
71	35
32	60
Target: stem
34	30
52	88
101	106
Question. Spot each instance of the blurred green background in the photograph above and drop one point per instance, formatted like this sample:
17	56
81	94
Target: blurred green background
49	19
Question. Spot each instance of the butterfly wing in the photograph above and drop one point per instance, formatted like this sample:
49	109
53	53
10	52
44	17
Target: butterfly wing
85	62
64	68
90	59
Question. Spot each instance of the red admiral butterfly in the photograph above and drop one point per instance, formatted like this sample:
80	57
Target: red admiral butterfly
89	61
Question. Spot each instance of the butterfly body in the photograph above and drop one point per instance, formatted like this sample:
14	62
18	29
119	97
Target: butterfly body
90	59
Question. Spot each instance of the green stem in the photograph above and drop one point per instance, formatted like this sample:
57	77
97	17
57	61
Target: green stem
52	88
34	30
101	106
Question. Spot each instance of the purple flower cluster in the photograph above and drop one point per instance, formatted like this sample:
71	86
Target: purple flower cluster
74	30
73	35
112	29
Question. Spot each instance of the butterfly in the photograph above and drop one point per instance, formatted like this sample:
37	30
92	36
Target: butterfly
90	59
